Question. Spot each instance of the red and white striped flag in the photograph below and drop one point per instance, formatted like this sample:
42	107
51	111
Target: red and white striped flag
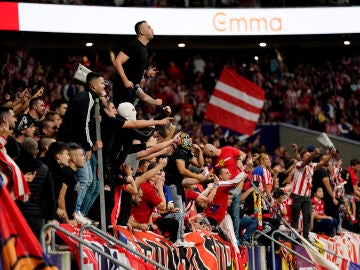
236	103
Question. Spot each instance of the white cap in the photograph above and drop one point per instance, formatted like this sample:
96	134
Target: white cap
127	110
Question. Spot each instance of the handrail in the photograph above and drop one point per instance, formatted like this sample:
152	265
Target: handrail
113	240
273	240
81	241
289	249
323	249
286	223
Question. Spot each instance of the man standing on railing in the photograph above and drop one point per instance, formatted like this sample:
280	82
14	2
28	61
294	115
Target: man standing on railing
131	65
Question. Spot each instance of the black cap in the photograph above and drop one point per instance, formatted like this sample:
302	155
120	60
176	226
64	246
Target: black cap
25	121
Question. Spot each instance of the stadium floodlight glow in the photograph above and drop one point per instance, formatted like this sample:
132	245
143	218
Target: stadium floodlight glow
256	58
262	44
89	44
181	45
347	42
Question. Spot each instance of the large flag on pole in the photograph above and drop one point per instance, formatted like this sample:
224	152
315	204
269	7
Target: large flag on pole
236	103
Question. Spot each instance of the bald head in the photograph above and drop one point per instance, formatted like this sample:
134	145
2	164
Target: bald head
210	150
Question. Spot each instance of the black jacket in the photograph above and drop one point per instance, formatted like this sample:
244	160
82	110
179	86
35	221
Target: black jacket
42	202
79	123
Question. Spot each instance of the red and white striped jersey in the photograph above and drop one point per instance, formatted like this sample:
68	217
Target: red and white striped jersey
263	175
302	179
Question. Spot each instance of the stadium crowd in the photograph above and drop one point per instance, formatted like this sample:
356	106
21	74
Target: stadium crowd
174	178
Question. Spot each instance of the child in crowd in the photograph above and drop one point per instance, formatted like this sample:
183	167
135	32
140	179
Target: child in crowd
322	223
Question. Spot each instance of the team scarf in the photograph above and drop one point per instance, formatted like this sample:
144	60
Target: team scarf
12	176
258	209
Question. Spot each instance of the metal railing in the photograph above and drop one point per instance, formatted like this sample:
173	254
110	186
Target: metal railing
83	242
273	240
111	241
284	246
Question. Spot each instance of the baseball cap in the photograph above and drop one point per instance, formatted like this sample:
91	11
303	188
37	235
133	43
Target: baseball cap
127	110
25	121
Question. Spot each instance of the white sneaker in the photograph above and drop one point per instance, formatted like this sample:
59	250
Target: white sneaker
81	219
183	243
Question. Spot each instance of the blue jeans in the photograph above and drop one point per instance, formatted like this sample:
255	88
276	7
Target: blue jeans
93	189
234	211
85	178
250	224
178	201
180	216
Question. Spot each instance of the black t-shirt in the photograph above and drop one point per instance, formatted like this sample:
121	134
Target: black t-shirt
121	147
172	174
134	69
125	211
69	179
12	147
110	126
55	172
317	182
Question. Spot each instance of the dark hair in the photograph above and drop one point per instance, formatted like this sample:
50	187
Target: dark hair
50	115
219	171
92	76
354	162
45	123
152	165
74	148
44	142
33	102
142	162
137	27
57	103
57	148
4	111
161	130
277	192
345	175
303	152
314	189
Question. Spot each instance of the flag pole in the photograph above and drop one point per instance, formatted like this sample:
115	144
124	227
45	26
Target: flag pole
100	167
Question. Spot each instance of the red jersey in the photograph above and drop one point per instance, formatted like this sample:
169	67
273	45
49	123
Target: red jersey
227	159
150	200
219	206
319	206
